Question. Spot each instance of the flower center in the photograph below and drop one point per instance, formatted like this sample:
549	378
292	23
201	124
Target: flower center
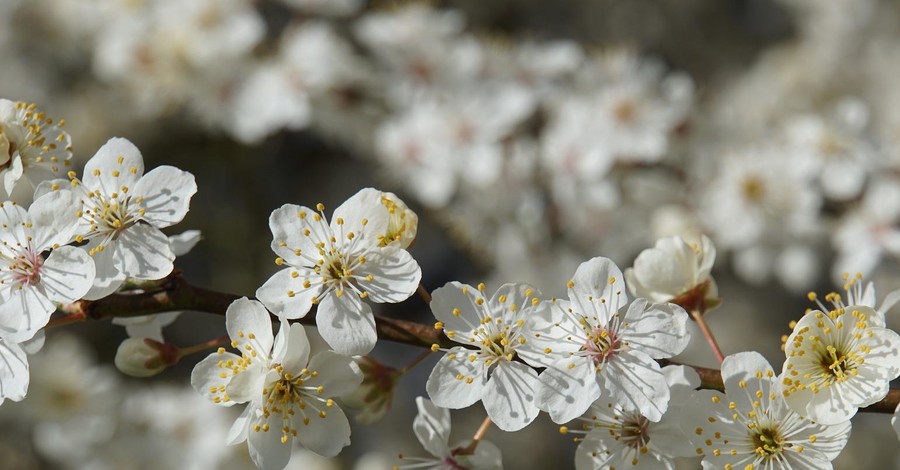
625	111
753	189
635	432
602	344
768	442
289	395
110	216
837	366
26	268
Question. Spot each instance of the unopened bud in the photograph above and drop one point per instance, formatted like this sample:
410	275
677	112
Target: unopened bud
144	357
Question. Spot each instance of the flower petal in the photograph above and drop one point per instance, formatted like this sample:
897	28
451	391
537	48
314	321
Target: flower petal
346	323
210	377
567	388
510	398
67	274
238	431
295	349
326	435
338	374
455	382
637	383
266	449
54	218
366	206
143	252
395	275
25	312
14	374
432	427
108	277
295	234
116	155
285	295
249	326
660	330
166	193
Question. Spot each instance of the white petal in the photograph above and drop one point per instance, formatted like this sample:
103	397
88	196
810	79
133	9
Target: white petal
456	296
184	242
12	219
895	421
636	382
14	374
567	388
68	274
599	278
54	217
108	276
238	431
249	324
266	449
487	457
143	252
167	195
25	312
346	323
395	275
510	398
99	171
660	330
248	383
338	374
324	436
365	204
552	334
209	379
285	295
449	384
432	427
296	350
295	233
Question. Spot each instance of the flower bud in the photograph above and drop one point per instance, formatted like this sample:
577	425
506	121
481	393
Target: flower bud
144	357
676	271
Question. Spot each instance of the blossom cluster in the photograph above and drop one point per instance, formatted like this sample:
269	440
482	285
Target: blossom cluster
550	162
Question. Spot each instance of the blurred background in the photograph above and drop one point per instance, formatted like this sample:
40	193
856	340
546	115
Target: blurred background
528	136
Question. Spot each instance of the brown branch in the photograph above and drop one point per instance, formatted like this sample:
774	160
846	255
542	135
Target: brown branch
177	294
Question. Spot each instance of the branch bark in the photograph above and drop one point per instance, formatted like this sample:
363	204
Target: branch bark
175	293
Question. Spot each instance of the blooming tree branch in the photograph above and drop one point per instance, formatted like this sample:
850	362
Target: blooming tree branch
176	293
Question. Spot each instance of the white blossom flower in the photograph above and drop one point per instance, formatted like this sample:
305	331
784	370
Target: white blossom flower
32	283
14	376
71	399
674	269
750	425
499	327
288	393
432	428
839	360
757	193
615	437
123	212
840	150
336	266
33	148
865	234
593	343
